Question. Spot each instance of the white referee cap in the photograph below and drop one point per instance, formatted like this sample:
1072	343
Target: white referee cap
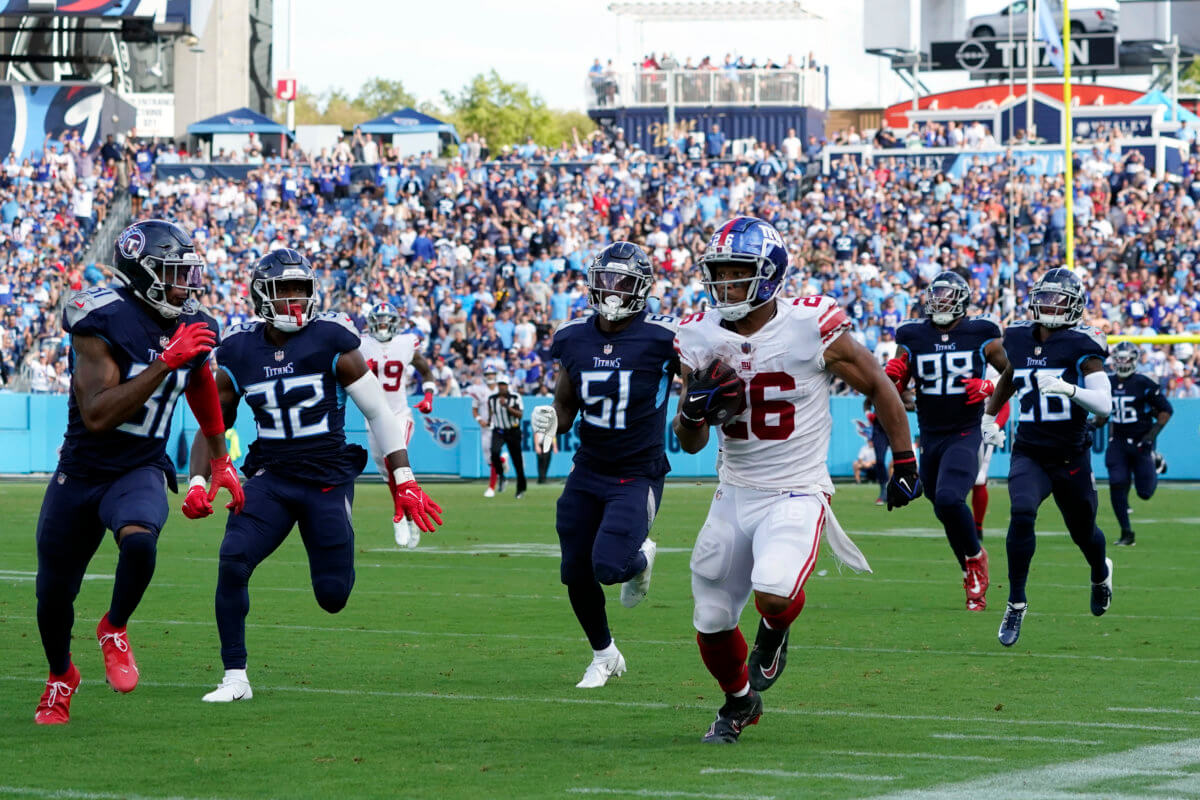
502	378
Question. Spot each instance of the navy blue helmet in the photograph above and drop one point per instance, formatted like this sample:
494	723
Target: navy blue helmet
619	281
751	242
153	256
1057	299
383	322
946	298
1125	358
274	269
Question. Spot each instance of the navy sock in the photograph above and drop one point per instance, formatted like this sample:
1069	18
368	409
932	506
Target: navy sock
960	529
1120	503
587	601
55	619
1021	544
233	604
135	568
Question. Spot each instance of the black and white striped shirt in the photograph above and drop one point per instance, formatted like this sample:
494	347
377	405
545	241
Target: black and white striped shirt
505	411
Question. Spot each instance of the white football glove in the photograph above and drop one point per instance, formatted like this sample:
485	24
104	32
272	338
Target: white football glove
545	422
993	434
1052	384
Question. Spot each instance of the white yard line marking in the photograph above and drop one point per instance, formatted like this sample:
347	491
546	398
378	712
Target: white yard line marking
579	701
23	575
1010	738
665	793
73	794
1155	771
1121	710
929	756
783	773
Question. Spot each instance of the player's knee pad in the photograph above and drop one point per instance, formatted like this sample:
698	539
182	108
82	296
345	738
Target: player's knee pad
140	545
712	556
233	572
575	570
1145	493
710	617
1021	525
331	593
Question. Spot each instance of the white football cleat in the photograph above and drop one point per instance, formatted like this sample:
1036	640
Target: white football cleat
633	591
402	532
490	492
234	686
602	668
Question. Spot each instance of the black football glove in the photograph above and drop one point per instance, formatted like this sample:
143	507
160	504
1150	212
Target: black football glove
905	484
713	396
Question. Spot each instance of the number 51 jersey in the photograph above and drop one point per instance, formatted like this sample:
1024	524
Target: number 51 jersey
780	437
298	405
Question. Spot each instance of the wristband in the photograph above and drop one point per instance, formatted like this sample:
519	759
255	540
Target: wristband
903	457
988	419
197	480
688	422
403	475
429	386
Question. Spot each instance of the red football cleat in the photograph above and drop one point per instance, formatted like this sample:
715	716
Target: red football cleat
55	706
976	581
120	670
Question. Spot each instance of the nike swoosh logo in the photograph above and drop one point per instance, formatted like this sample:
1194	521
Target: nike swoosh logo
975	587
770	671
694	397
1073	471
624	480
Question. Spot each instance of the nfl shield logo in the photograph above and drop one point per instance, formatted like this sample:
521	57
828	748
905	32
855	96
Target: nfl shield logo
945	337
608	349
1037	351
279	355
747	347
163	341
61	479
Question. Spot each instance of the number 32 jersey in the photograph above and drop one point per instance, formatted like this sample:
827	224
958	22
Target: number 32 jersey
298	405
940	361
393	360
780	438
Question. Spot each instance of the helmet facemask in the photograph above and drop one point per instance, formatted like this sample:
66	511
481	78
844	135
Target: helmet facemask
945	303
1124	361
182	272
617	292
761	285
383	324
1051	306
300	308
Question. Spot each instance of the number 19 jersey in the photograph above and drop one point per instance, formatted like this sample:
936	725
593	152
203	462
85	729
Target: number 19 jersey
940	361
393	361
780	438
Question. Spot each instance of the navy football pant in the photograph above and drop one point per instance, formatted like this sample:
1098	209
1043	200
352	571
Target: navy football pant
273	506
510	438
949	465
74	516
1030	481
1124	459
602	521
879	441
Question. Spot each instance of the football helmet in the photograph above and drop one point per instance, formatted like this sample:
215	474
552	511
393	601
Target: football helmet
283	266
1057	299
946	298
746	241
383	322
1125	359
619	281
152	256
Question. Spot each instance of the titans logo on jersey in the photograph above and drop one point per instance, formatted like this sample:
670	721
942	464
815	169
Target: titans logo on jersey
298	406
1051	422
1137	401
622	381
136	338
940	361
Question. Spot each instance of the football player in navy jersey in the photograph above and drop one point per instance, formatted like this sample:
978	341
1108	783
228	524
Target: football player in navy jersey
294	369
946	355
617	366
1139	413
1056	368
134	350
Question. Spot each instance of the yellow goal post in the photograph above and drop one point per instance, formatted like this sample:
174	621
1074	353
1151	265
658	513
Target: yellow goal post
1156	338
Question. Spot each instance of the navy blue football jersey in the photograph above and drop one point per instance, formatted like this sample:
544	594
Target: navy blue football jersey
622	381
136	337
298	405
1137	401
940	361
1051	422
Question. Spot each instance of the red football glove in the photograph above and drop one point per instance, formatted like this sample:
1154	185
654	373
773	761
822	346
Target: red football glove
426	405
196	504
897	370
188	342
412	502
978	390
225	476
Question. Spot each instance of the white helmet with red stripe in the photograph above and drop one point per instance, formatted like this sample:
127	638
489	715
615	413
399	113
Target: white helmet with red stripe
747	241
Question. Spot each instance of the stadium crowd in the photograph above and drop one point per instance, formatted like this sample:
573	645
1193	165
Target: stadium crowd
486	255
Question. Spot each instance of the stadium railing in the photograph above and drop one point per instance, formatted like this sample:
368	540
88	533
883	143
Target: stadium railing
721	87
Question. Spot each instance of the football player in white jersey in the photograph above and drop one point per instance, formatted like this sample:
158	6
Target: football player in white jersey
759	367
479	394
390	355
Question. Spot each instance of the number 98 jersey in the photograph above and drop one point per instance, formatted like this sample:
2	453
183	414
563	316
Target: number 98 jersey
780	437
1051	424
939	362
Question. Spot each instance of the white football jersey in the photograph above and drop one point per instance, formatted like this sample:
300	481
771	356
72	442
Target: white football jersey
393	361
780	439
479	394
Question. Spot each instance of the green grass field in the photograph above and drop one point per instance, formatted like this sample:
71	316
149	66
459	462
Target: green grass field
451	673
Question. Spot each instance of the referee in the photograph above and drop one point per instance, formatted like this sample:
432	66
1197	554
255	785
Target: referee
505	411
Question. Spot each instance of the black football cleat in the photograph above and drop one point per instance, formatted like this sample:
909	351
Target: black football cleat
1010	626
768	657
1102	592
737	713
1126	539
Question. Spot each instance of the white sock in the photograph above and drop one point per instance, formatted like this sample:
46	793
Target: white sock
237	675
1017	606
767	625
742	692
608	652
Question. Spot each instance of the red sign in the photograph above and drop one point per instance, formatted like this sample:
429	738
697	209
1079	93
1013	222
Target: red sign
285	89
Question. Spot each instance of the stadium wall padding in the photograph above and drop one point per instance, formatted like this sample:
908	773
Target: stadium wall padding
447	442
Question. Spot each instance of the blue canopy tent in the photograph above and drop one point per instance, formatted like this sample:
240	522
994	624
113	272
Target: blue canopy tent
1157	98
235	126
412	132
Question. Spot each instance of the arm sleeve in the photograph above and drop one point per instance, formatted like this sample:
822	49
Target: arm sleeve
368	395
1096	393
205	402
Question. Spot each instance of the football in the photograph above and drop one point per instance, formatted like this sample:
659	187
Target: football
728	392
